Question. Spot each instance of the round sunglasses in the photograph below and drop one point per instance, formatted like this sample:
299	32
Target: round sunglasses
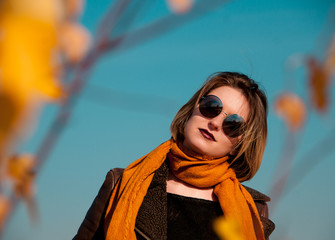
233	125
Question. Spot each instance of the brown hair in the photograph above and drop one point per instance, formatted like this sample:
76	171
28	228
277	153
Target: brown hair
249	152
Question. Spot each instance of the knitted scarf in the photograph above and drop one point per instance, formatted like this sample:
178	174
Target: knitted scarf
128	194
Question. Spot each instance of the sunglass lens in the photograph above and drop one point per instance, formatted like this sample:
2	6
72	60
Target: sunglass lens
210	106
233	125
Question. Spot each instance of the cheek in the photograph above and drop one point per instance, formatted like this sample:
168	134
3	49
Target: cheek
188	130
191	135
233	141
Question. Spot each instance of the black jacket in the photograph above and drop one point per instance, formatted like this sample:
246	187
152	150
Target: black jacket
151	221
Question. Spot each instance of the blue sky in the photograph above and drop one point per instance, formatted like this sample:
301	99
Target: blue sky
253	37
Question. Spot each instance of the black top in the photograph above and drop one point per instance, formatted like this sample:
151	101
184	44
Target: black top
191	218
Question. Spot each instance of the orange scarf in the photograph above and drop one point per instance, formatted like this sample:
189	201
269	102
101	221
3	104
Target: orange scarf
128	194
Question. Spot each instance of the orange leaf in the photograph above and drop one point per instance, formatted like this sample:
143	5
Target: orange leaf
318	85
74	40
5	206
180	6
292	109
330	58
74	8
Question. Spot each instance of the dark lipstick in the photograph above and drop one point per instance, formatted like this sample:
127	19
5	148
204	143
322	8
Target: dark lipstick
207	134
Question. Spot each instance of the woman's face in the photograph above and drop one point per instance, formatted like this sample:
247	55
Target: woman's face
205	136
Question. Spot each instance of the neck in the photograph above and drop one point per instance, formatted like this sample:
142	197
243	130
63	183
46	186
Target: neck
177	186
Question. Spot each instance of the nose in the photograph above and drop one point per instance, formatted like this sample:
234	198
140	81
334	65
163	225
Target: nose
216	123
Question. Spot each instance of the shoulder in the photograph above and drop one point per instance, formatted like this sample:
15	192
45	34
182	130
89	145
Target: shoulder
112	176
261	200
256	195
92	225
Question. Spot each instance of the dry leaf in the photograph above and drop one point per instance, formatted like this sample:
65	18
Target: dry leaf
180	6
292	109
21	170
329	63
10	116
5	206
74	41
318	85
73	8
227	229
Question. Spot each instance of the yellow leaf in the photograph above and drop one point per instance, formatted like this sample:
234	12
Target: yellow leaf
47	10
28	63
21	169
27	56
227	229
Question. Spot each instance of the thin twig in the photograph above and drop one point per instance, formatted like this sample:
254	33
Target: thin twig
159	27
133	102
311	159
284	165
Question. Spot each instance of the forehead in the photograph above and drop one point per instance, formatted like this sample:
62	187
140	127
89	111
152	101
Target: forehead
233	100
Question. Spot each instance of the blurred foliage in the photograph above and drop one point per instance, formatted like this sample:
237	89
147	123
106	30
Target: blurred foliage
292	109
227	229
180	6
37	40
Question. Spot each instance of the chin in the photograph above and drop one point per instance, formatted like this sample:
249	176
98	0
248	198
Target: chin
197	148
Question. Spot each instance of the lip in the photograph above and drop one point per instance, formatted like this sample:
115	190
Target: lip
207	134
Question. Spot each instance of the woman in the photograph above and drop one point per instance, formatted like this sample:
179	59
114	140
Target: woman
175	191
